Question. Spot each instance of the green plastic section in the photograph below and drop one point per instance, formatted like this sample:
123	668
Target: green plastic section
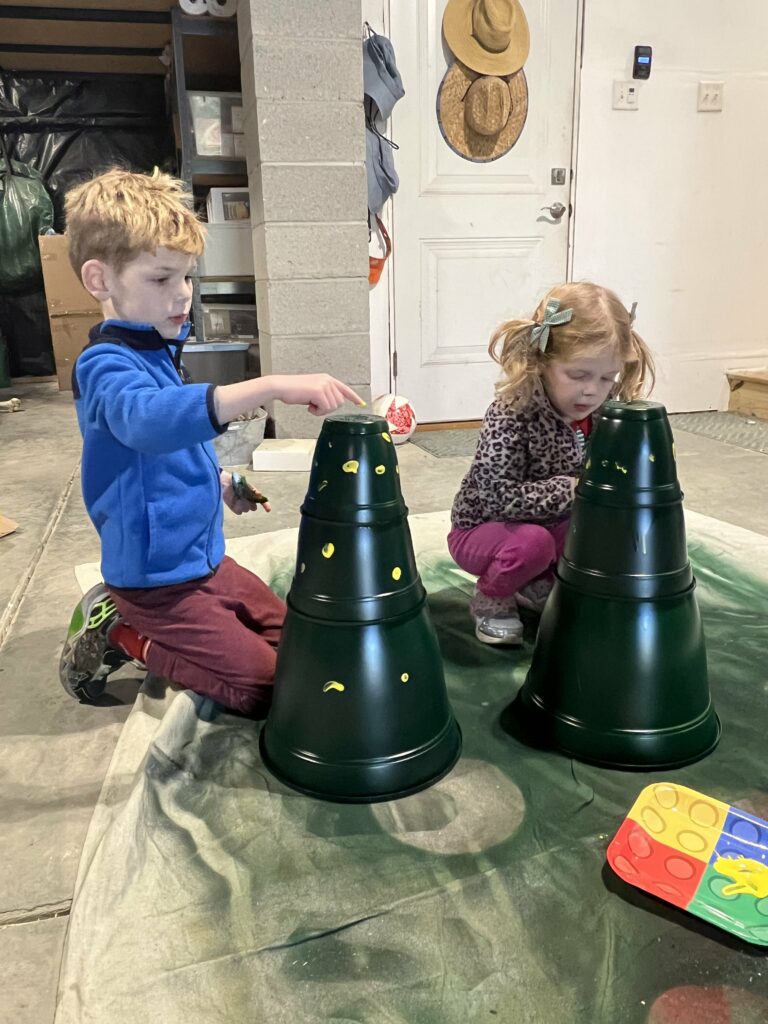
360	711
619	671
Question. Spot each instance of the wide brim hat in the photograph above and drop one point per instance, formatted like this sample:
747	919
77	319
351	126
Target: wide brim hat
457	132
487	36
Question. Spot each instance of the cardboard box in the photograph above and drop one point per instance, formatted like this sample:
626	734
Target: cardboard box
71	310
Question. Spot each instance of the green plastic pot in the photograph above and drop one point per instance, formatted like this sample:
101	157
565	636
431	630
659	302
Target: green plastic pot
631	458
619	670
627	533
355	476
620	682
360	711
355	573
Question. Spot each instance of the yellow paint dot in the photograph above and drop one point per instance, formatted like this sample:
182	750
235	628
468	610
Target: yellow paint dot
333	685
651	458
397	572
589	463
404	677
303	567
328	550
322	485
397	470
351	467
621	469
379	470
386	437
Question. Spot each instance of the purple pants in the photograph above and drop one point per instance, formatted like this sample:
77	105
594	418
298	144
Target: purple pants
506	556
217	636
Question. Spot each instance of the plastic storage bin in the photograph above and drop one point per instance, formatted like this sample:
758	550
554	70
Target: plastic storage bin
228	251
216	362
222	320
217	117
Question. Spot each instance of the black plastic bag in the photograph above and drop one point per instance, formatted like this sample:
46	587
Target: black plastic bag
26	211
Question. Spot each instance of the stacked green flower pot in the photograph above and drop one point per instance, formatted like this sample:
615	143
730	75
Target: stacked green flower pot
360	710
619	670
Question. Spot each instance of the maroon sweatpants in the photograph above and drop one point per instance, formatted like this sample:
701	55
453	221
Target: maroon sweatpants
217	636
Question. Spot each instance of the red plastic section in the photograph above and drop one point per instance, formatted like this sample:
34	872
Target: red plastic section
650	865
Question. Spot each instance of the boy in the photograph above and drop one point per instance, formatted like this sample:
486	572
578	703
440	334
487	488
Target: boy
151	481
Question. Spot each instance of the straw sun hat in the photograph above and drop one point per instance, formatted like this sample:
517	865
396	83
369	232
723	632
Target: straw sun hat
481	116
488	36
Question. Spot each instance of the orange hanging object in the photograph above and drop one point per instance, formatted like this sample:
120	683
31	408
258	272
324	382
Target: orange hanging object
376	263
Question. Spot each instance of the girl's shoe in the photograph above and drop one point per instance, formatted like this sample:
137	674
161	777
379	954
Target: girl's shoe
499	629
87	657
533	595
496	619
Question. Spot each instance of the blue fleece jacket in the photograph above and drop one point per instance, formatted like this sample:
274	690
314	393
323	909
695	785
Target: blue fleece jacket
150	473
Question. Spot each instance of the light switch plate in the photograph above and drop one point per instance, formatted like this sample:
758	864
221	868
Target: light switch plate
626	95
710	98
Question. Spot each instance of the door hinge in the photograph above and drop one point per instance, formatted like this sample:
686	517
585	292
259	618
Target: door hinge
394	365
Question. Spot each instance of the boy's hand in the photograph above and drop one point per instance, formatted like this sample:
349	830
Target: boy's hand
232	495
320	392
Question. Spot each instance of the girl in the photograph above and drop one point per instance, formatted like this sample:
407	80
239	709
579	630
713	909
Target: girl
510	518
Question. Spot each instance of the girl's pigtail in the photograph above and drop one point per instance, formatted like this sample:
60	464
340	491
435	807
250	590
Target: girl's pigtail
511	348
639	375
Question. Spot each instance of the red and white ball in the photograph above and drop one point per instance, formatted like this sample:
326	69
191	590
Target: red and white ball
399	414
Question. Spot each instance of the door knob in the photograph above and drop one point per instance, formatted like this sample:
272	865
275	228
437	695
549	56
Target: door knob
556	210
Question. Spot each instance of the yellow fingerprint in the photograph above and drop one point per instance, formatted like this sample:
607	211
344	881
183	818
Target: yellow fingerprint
303	567
351	467
380	469
322	485
404	677
386	437
397	572
333	685
328	550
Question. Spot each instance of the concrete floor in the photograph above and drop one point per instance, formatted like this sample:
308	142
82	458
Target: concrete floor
54	752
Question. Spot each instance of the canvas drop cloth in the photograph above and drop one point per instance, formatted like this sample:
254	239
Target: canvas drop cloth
208	892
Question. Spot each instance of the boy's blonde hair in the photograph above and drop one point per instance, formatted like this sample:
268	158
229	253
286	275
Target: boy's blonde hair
118	215
600	322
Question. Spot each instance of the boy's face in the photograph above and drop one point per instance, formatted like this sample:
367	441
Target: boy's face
155	288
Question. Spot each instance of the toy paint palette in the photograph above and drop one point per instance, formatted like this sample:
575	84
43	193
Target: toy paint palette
698	853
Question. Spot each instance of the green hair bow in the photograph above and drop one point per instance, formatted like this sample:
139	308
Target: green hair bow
552	318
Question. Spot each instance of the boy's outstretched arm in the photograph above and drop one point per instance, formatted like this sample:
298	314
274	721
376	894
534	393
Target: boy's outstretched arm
320	392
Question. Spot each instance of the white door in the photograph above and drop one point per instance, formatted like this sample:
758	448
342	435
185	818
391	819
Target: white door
472	246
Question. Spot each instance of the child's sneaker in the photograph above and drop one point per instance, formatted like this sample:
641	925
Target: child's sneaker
496	619
533	595
87	658
499	629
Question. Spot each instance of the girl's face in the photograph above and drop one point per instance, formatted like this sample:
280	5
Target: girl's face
579	386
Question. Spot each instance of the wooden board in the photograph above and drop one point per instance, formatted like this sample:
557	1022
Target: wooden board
82	64
749	393
112	34
100	5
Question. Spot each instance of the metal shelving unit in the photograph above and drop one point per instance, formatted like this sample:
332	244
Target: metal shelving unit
205	51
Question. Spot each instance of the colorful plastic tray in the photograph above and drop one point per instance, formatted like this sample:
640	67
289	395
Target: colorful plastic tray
698	853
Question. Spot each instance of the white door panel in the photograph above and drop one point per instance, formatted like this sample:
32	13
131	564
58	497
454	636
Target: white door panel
472	246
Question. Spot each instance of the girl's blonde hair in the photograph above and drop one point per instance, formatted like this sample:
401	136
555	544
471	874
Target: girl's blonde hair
118	215
600	322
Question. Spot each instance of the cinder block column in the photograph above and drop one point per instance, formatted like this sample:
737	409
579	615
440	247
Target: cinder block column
301	70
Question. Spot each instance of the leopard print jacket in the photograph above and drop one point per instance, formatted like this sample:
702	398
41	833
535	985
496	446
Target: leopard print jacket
522	468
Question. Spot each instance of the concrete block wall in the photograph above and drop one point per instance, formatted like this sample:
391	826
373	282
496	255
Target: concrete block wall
301	72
